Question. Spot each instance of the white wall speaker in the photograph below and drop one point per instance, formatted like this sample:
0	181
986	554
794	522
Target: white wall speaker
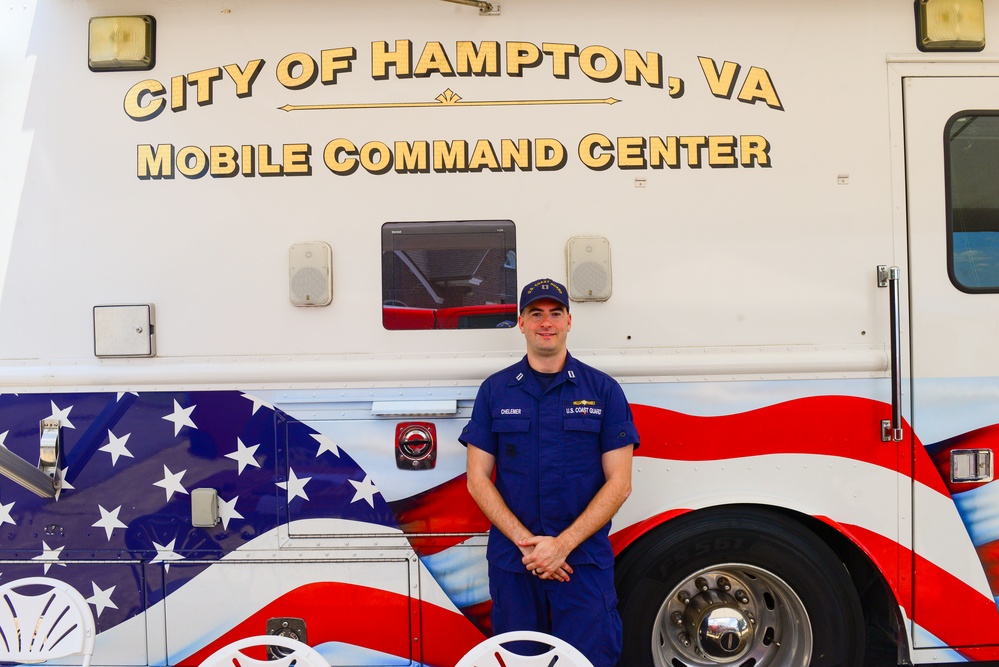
310	274
589	262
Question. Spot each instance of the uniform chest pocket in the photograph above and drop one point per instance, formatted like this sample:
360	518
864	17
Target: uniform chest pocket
581	453
512	443
512	425
587	424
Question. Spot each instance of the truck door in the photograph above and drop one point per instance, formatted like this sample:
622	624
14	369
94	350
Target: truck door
952	179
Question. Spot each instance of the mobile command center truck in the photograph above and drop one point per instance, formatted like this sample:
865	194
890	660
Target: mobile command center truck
258	257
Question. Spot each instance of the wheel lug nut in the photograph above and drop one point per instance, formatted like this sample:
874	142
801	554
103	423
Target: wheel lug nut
749	615
741	596
701	583
684	597
677	619
724	584
684	638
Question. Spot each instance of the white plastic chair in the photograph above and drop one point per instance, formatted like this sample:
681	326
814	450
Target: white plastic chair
231	655
491	652
54	623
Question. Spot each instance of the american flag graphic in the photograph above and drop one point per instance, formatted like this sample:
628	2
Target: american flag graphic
120	531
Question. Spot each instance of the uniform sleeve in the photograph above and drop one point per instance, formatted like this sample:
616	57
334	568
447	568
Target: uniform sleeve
618	428
479	429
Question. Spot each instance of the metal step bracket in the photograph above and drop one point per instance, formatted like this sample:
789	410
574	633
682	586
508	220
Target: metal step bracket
42	479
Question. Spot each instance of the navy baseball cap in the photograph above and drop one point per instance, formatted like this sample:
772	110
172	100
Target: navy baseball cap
544	288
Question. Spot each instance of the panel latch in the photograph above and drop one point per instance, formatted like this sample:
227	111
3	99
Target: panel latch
971	465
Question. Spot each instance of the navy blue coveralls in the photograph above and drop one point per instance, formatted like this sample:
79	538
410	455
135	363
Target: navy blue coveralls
548	445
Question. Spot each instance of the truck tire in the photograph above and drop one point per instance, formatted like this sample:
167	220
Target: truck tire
737	586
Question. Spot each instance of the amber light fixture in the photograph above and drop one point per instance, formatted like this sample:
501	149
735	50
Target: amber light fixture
122	43
950	25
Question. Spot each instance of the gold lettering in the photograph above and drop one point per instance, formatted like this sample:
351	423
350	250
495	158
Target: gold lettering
549	154
515	155
382	59
757	87
649	70
265	166
560	58
483	157
591	55
411	159
520	55
664	152
306	67
336	60
296	160
433	60
588	155
376	157
450	157
249	161
244	78
481	61
204	82
335	151
754	148
693	146
158	164
192	162
133	103
721	151
721	82
178	93
223	161
631	152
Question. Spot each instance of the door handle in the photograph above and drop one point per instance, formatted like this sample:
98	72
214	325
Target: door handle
891	429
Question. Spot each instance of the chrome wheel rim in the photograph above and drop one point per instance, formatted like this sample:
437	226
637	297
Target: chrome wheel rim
732	614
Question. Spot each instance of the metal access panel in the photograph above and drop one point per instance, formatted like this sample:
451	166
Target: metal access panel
124	331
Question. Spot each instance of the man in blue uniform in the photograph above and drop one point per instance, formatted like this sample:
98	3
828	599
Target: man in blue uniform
559	435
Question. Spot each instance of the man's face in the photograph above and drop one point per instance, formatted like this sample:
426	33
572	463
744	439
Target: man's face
545	324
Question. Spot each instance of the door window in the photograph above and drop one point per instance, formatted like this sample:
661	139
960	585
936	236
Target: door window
972	164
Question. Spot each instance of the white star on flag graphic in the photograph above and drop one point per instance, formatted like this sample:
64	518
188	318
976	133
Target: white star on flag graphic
166	554
63	484
243	456
61	415
101	599
171	482
49	556
180	417
5	514
294	486
116	447
109	520
326	444
365	489
227	511
257	403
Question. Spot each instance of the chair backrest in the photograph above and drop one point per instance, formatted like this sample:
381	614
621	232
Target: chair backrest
50	620
299	655
493	653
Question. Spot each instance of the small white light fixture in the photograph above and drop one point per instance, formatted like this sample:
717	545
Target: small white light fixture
950	25
120	43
